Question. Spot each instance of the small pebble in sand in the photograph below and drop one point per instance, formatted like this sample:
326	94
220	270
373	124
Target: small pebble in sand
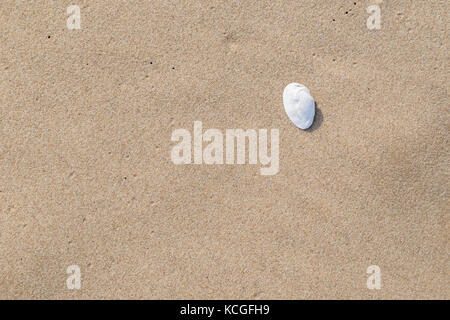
299	105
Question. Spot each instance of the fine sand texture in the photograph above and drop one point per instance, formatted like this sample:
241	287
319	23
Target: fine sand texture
86	176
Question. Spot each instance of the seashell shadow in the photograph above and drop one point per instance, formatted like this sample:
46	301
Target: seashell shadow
318	119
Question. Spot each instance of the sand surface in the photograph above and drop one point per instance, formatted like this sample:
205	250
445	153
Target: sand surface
86	178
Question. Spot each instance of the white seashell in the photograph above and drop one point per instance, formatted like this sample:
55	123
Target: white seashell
299	105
